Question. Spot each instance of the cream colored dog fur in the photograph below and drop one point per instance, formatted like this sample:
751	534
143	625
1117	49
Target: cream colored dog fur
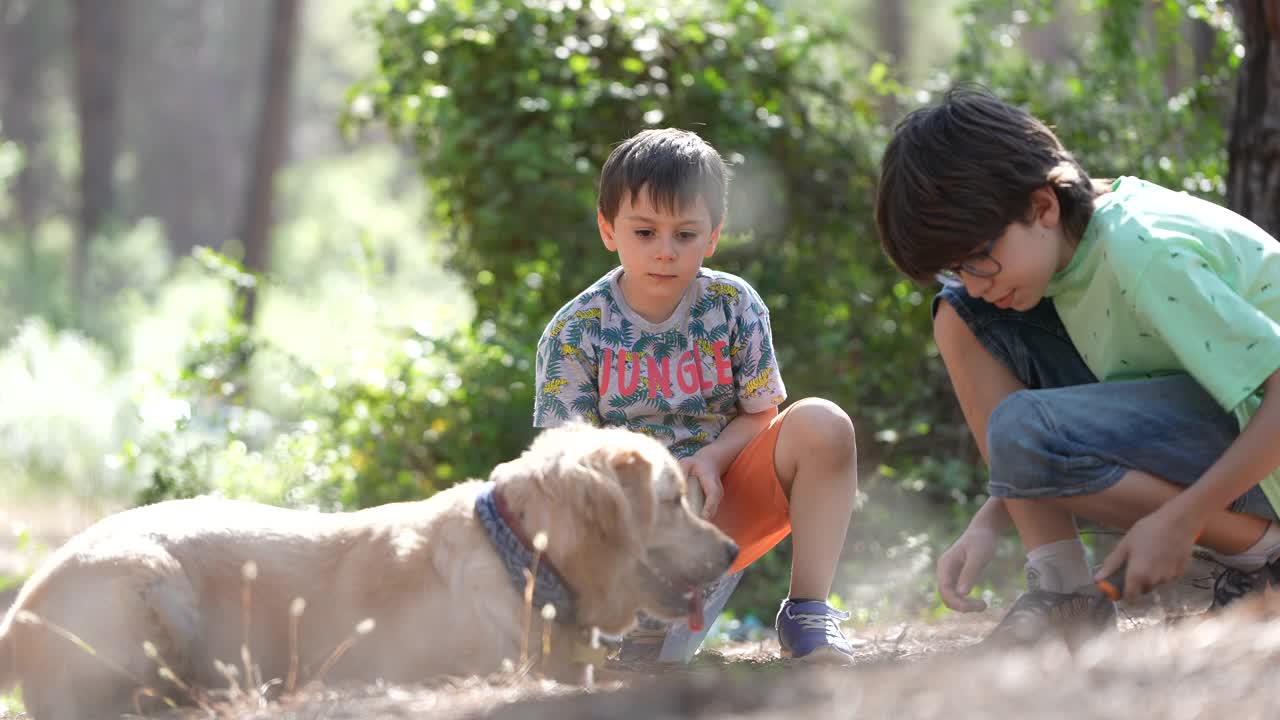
621	532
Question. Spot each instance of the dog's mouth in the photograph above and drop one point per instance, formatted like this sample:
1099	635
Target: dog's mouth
695	609
676	598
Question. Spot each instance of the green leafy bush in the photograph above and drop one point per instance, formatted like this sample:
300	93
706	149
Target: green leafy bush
1128	96
511	106
350	440
64	410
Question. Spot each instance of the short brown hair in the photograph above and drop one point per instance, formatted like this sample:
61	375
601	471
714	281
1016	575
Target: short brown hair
956	174
677	166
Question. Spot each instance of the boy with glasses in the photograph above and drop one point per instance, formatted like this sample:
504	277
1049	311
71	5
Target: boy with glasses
1052	283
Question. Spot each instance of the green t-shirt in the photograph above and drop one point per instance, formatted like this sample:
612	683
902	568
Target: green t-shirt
1163	283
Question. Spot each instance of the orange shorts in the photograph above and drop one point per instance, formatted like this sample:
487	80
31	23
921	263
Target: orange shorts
754	510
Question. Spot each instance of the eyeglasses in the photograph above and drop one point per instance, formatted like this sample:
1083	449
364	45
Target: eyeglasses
980	265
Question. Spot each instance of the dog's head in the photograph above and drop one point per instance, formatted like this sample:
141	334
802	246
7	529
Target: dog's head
619	524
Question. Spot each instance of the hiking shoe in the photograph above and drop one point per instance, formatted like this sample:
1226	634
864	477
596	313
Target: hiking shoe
811	630
1232	584
1040	614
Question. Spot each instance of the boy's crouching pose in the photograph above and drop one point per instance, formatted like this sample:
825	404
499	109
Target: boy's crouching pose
1054	282
664	346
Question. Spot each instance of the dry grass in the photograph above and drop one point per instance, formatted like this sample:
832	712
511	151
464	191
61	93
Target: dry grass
1224	666
1203	667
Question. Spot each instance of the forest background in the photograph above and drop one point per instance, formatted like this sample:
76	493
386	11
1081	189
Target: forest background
301	252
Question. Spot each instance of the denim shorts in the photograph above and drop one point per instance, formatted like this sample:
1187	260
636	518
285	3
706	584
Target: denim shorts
1068	434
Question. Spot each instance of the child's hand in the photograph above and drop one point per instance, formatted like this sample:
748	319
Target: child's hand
959	566
708	475
1154	551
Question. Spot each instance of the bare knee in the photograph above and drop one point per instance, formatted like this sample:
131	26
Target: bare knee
818	427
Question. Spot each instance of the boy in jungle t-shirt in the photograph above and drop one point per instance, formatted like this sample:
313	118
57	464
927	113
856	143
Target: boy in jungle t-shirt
664	346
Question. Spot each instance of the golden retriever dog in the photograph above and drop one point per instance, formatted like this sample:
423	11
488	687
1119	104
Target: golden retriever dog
166	586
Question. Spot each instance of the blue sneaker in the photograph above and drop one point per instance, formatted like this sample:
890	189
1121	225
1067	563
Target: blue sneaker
811	630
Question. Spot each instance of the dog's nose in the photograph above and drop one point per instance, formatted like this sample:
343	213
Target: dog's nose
731	552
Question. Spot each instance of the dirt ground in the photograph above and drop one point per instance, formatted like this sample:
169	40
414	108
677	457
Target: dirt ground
1196	667
1158	666
733	681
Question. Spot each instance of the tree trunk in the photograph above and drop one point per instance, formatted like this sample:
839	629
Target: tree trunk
26	51
1203	37
891	22
98	28
272	138
1253	152
192	103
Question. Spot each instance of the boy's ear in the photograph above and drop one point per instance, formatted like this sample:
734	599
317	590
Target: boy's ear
1045	207
715	240
606	232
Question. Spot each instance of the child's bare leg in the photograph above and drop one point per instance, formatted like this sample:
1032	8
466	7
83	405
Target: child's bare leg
816	461
981	382
1139	494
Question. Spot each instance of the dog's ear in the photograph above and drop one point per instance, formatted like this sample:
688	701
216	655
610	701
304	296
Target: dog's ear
636	474
620	504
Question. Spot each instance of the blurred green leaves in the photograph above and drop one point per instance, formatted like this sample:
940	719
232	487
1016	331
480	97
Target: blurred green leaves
510	108
513	106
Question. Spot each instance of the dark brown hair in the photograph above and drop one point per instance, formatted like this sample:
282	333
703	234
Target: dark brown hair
675	166
956	174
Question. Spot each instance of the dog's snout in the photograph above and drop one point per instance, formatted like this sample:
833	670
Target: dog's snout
731	551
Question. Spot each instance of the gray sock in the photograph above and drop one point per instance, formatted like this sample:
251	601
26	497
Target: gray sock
1059	567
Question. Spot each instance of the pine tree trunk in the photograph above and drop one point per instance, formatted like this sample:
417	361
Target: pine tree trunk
192	100
26	51
891	24
1253	152
272	140
98	31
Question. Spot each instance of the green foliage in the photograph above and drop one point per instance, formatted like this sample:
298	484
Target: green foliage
348	441
64	410
31	550
11	702
10	164
1126	98
255	412
513	106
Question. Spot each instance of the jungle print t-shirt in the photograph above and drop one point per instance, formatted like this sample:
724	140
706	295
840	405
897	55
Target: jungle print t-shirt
680	381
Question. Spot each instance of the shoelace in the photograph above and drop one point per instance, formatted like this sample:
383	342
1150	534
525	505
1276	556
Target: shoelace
828	622
1231	585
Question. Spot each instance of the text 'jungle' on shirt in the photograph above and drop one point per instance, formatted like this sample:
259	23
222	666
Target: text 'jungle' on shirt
680	381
